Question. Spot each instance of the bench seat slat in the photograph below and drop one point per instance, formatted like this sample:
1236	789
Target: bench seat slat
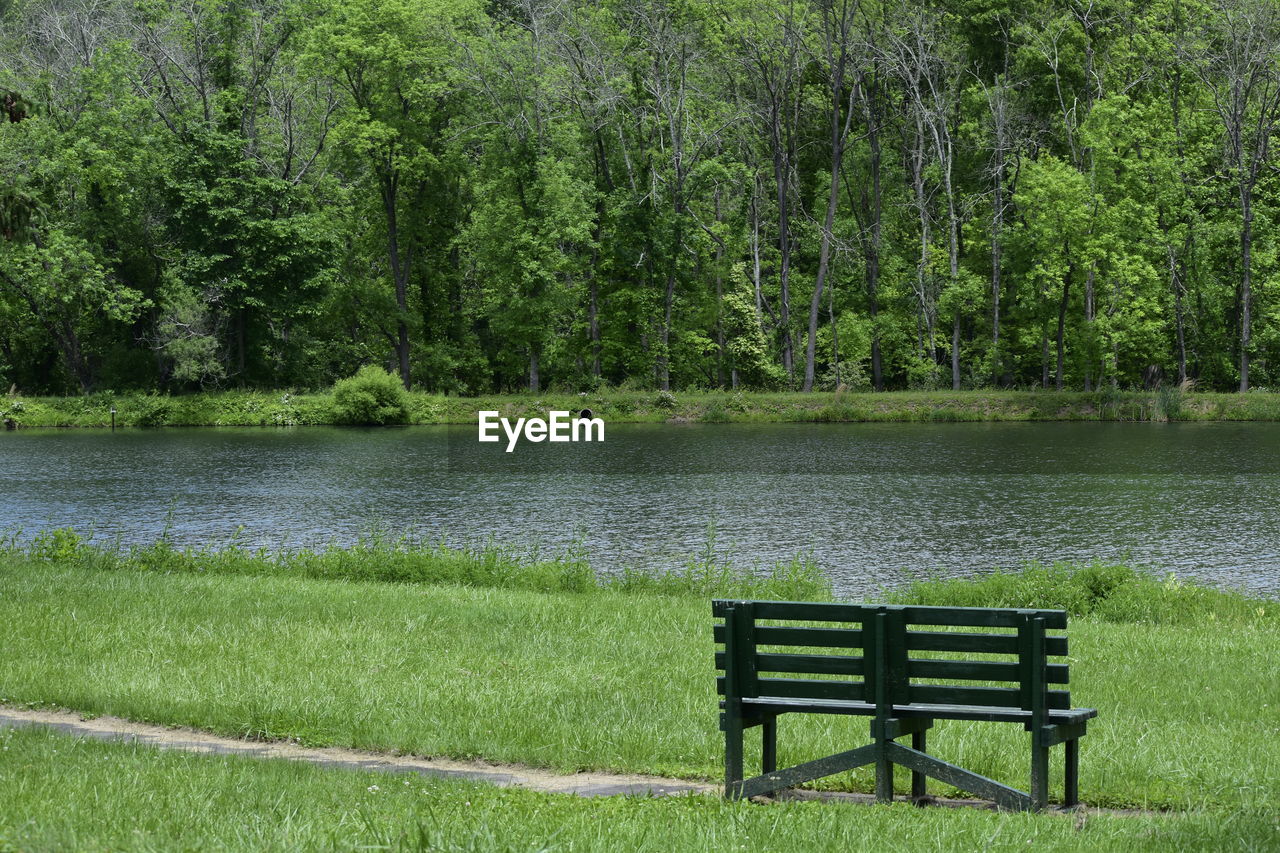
919	709
1000	697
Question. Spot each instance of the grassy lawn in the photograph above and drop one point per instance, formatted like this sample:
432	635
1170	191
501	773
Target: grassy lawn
1189	714
65	793
285	408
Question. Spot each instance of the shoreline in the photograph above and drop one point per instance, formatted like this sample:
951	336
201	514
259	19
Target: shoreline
285	408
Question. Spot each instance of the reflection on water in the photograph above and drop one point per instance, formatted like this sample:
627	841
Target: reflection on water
874	504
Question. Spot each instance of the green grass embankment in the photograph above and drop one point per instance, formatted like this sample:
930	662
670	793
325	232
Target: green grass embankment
610	679
280	408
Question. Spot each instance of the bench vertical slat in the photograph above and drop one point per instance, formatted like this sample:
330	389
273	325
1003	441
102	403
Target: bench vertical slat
1039	707
1024	661
732	720
884	707
744	642
895	673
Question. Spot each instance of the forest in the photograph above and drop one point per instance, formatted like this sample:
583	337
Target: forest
542	195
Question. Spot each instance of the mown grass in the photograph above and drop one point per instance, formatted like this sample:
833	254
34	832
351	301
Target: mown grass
285	408
65	793
1189	713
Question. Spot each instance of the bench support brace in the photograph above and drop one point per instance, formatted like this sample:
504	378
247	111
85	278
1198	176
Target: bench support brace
1003	795
778	779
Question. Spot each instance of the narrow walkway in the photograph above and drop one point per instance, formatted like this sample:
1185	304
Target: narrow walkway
581	784
192	740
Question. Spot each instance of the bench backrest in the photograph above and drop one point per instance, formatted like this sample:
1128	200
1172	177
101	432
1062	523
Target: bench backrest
869	648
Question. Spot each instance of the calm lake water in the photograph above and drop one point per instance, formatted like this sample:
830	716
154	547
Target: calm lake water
874	504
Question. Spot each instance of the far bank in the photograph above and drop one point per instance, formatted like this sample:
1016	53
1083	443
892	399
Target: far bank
286	408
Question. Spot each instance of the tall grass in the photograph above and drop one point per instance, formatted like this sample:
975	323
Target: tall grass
1109	591
384	557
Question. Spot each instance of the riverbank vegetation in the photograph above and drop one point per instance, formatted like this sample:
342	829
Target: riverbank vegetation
281	408
402	559
485	197
148	800
606	677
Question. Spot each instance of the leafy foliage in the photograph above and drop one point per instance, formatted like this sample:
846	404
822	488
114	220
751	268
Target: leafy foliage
371	397
571	196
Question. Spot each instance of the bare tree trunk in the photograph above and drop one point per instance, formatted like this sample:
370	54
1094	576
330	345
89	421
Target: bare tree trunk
240	342
668	302
1175	281
1088	319
835	335
782	171
1044	359
997	218
755	258
839	134
923	309
955	352
399	274
997	99
1246	281
953	251
871	112
1062	322
593	323
719	261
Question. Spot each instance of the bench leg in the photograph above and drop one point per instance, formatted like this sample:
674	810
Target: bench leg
732	755
1039	776
884	773
769	752
917	778
1072	774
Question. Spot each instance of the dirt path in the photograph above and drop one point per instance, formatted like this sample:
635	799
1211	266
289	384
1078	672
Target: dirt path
192	740
507	775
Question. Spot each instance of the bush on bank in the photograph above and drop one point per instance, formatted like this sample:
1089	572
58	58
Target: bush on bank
373	397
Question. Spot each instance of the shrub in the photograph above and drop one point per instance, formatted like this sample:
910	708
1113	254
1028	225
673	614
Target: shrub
371	397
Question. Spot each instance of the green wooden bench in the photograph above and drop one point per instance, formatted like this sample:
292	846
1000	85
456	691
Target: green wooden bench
864	660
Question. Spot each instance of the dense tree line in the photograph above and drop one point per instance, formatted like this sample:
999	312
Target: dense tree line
667	193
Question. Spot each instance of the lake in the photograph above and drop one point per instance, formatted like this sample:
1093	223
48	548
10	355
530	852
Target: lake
874	504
